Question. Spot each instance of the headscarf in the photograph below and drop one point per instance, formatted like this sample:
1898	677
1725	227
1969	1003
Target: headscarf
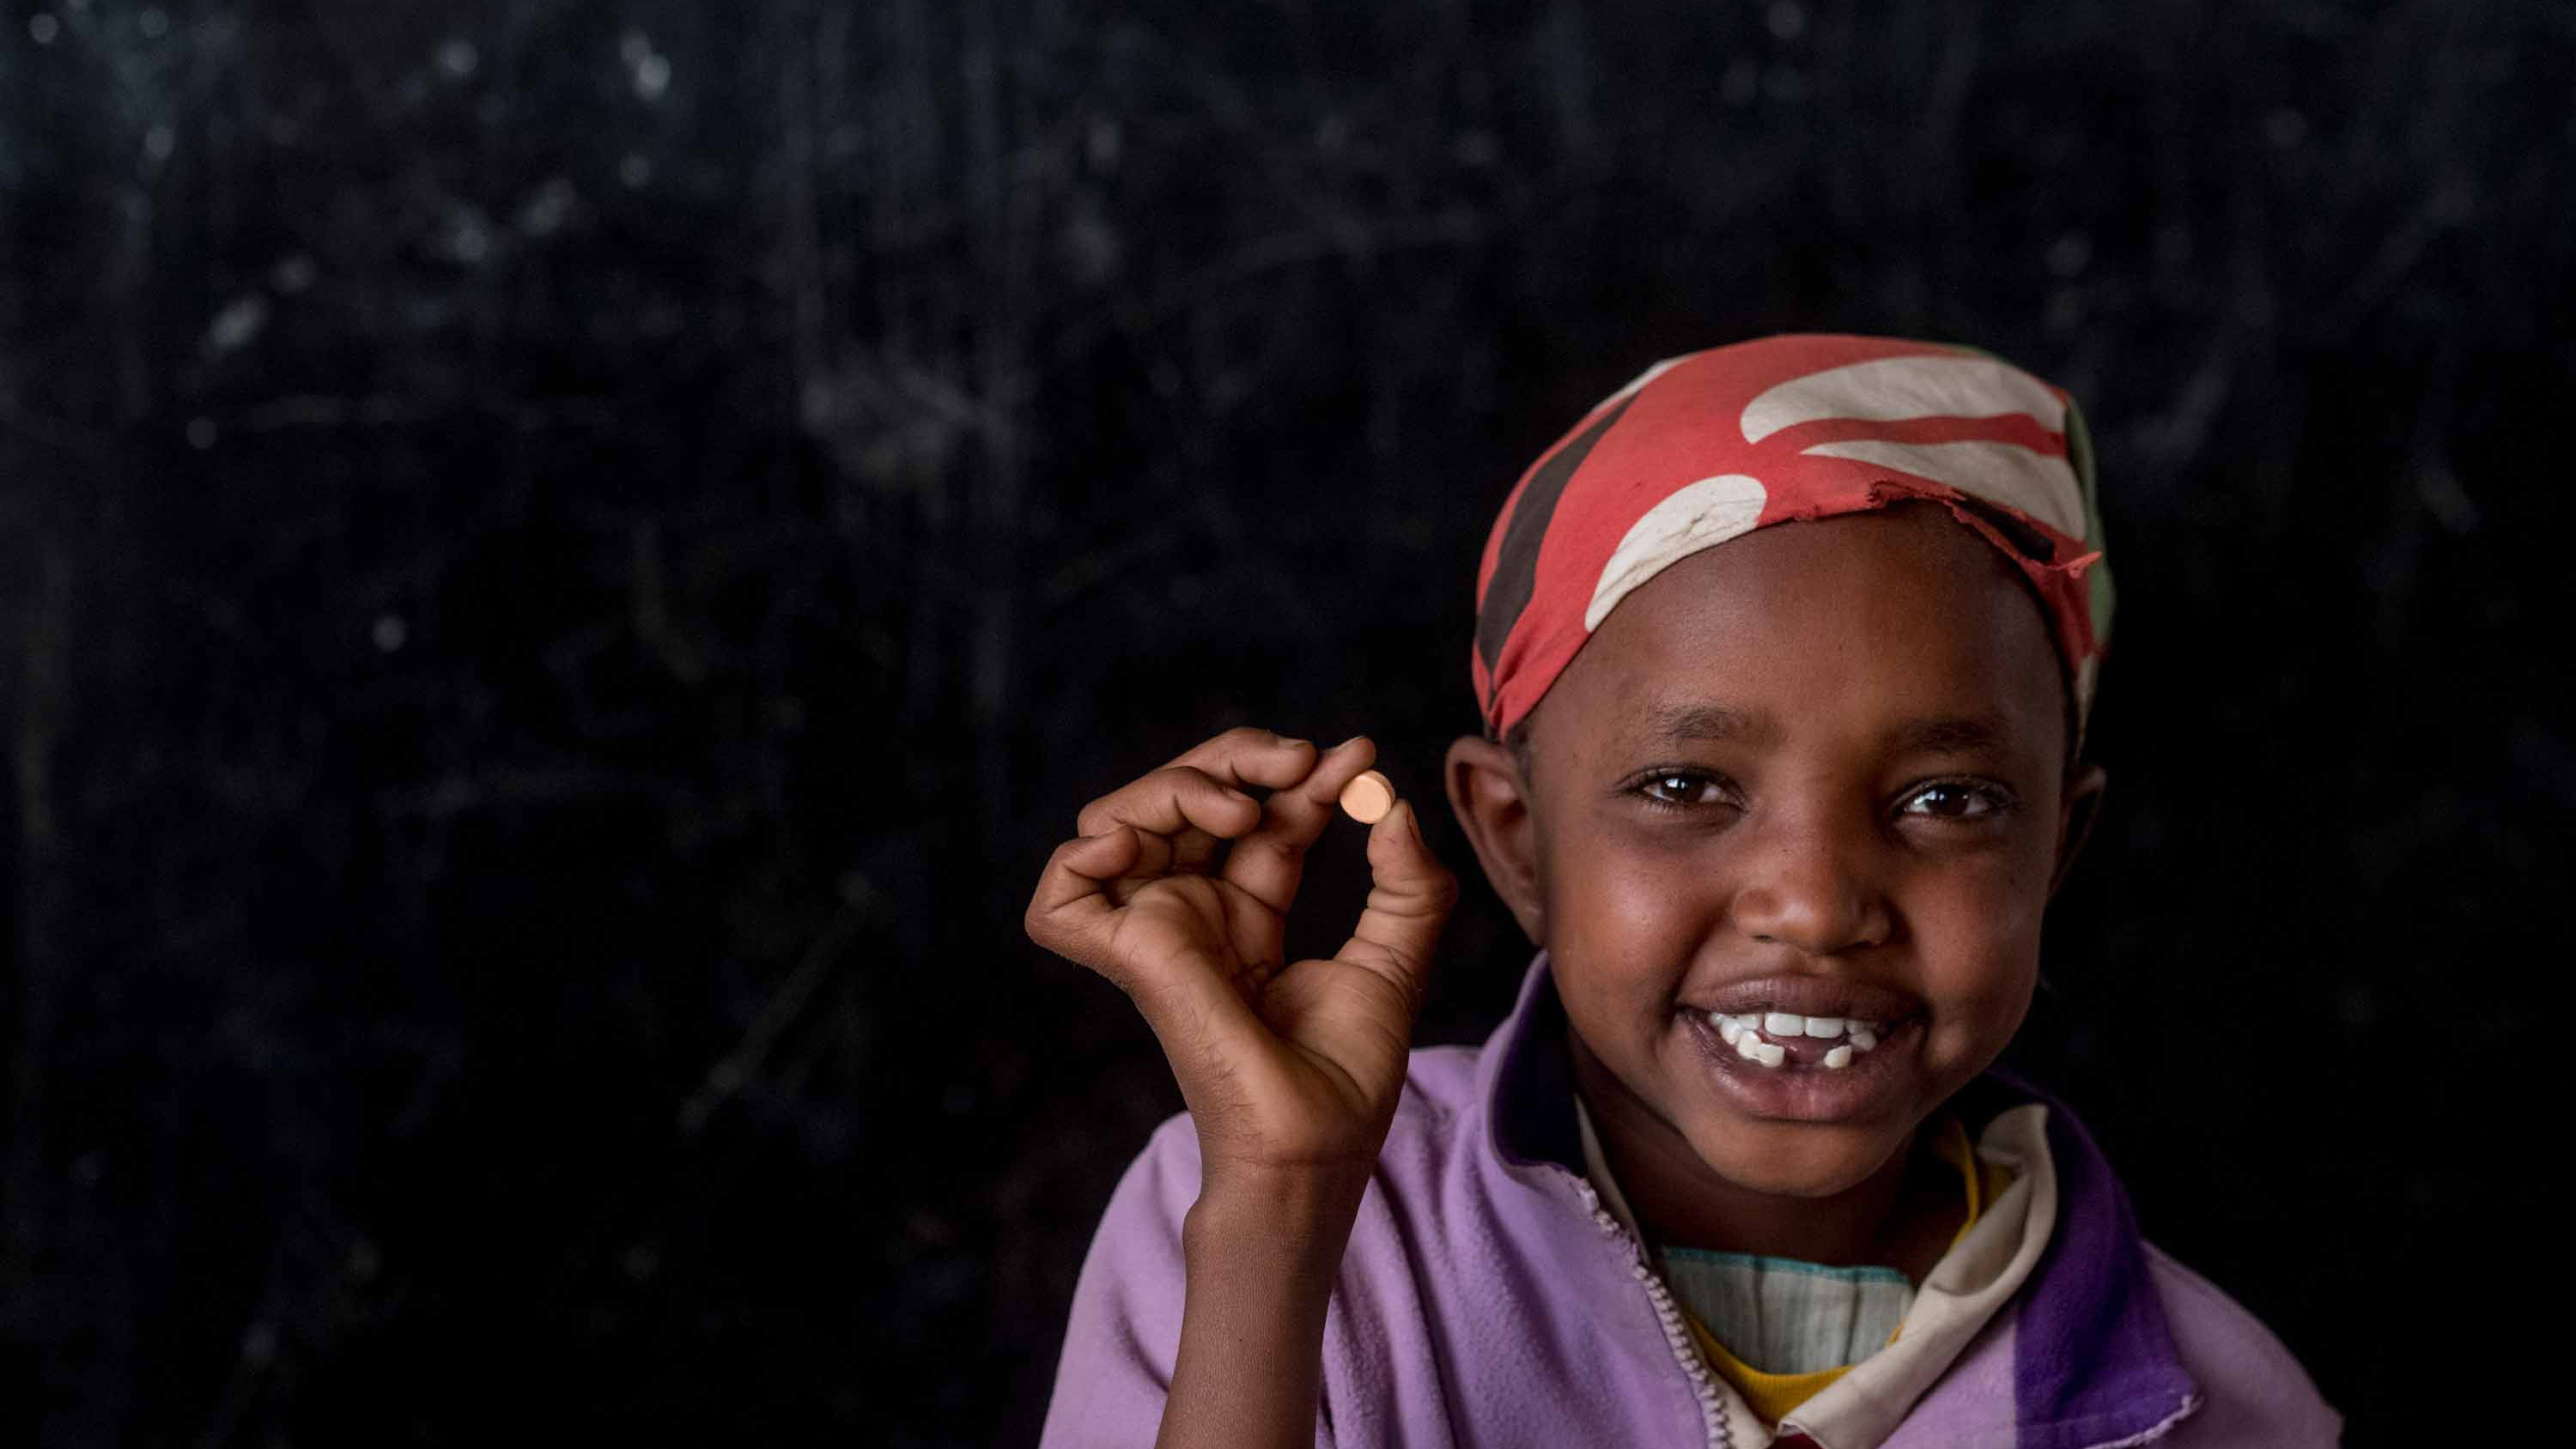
1711	445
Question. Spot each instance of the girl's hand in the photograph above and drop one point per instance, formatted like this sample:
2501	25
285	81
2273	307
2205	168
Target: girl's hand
1177	890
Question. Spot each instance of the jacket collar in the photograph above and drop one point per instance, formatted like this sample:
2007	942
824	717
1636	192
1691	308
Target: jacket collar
2093	1358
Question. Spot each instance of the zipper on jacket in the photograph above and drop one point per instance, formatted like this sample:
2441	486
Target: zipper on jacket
1712	1407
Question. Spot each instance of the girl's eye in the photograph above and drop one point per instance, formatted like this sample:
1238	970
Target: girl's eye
1677	789
1955	800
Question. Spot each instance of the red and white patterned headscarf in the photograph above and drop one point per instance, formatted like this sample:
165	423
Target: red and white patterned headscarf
1711	445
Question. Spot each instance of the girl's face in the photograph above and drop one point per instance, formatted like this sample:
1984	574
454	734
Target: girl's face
1818	771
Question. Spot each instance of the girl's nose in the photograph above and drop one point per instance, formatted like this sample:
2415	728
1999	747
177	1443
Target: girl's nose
1809	888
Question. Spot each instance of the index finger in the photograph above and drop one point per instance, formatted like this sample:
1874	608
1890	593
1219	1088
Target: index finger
1248	755
1271	860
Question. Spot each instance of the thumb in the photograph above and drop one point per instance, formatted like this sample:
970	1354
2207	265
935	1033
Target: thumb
1408	903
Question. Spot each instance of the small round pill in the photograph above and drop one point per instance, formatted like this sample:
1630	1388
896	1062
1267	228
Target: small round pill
1368	798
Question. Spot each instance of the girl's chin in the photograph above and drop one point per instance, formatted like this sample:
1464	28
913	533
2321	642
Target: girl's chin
1796	1159
1803	1161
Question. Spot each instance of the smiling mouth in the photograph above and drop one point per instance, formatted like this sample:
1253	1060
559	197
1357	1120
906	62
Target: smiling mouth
1787	1041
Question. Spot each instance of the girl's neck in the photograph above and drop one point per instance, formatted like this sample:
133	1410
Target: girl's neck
1902	1216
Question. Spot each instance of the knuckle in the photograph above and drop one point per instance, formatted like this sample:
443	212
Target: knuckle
1197	787
1034	920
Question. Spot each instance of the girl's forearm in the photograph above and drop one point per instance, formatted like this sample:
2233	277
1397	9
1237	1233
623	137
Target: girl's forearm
1261	1258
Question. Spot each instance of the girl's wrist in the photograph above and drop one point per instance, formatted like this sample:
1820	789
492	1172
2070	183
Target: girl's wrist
1262	1248
1296	1220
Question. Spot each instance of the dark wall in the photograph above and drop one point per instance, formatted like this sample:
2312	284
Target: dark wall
562	566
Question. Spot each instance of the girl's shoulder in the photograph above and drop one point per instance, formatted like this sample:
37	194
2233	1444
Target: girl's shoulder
2253	1390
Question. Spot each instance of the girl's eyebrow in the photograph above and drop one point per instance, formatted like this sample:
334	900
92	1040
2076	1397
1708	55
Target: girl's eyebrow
1949	734
1963	734
1704	722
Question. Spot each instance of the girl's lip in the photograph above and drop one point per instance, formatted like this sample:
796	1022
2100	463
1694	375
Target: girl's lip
1810	996
1797	1093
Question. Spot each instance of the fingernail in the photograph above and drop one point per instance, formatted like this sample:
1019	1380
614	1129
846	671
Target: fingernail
1353	740
1293	740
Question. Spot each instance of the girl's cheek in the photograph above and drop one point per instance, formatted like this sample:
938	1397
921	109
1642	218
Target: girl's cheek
1978	911
1976	1013
1630	930
1979	944
1649	895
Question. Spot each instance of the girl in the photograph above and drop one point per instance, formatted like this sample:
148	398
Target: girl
1814	622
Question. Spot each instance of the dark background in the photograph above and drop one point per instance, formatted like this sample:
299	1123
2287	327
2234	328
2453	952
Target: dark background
563	564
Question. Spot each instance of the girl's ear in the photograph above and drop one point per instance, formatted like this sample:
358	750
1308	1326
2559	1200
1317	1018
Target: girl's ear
1491	799
2076	814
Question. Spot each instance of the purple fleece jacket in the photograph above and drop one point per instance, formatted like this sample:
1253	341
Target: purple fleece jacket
1485	1301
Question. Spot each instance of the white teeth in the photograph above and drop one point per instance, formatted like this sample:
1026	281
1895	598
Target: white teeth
1755	1035
1753	1048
